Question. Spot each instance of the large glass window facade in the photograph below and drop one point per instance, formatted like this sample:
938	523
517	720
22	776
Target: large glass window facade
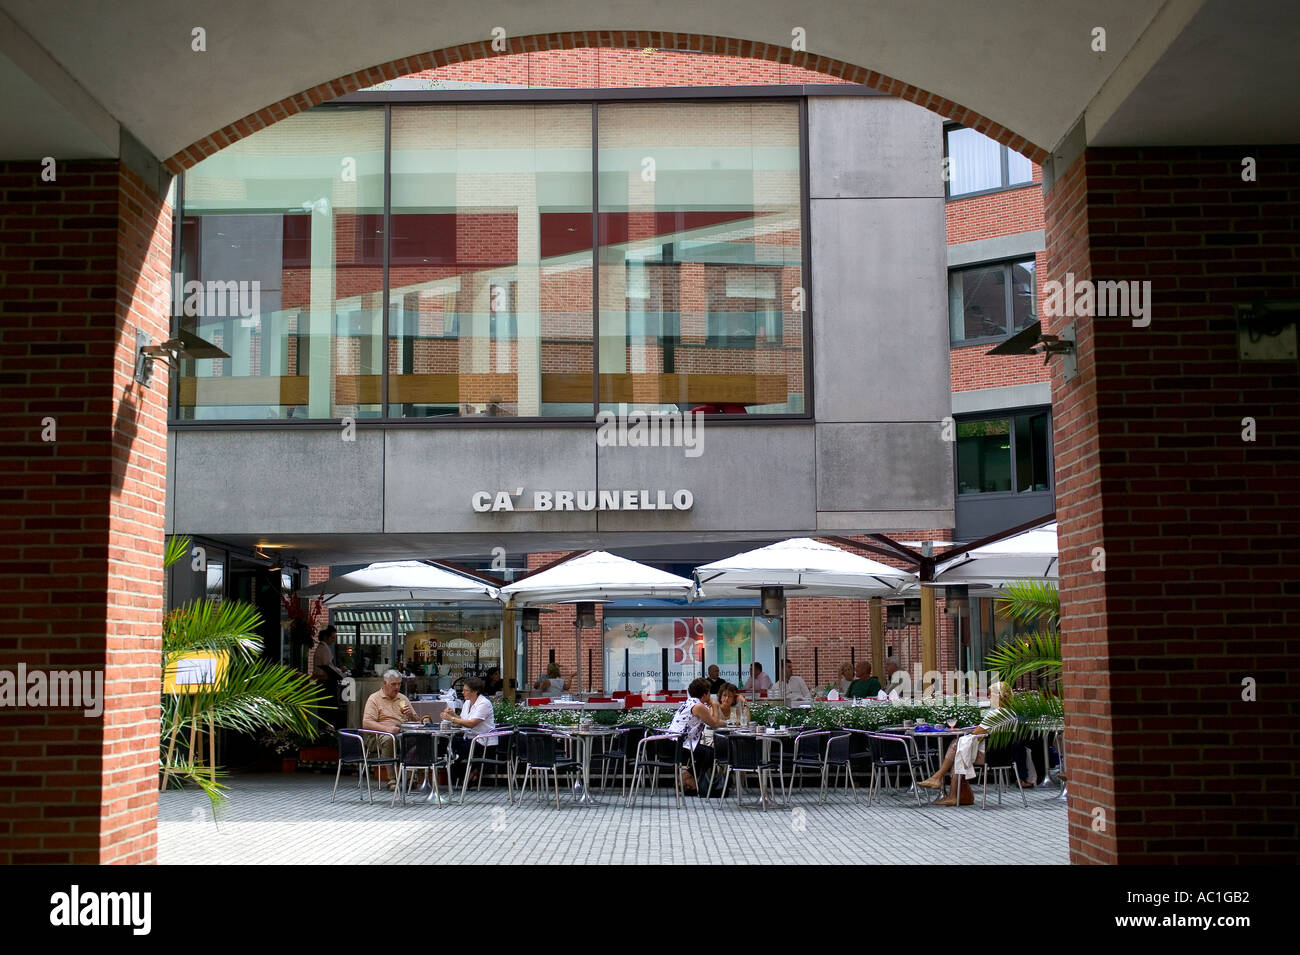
490	282
701	257
281	256
421	261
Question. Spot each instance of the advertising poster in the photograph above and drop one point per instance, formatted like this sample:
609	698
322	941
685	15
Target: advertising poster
634	649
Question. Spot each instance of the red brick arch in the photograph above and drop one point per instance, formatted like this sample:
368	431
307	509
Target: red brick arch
605	39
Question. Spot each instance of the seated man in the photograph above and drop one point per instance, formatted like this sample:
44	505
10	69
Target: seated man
791	686
866	686
758	680
715	680
385	712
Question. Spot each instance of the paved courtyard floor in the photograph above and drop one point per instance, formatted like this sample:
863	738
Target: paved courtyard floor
288	819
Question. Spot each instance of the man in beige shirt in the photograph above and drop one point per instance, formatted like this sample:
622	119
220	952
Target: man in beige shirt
385	712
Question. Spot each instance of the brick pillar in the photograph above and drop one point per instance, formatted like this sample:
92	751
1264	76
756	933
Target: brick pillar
85	258
1199	526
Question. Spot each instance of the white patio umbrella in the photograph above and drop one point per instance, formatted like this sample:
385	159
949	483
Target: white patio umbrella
397	581
803	566
810	567
596	577
1029	555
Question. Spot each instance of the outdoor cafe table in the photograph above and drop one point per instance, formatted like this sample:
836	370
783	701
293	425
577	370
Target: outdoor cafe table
585	735
432	729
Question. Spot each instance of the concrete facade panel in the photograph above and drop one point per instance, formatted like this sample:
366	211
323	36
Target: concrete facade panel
751	478
883	467
277	481
873	148
880	324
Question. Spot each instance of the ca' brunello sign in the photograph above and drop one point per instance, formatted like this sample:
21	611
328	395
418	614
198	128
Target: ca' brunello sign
555	500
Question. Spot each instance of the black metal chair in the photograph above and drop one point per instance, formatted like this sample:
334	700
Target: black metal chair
426	751
1000	762
838	757
542	758
890	752
621	748
352	752
808	752
490	749
658	752
745	753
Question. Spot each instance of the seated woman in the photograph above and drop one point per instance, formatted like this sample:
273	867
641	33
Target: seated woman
965	752
492	683
732	704
846	679
699	711
552	683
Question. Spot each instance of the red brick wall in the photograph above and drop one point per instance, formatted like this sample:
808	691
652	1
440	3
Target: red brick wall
620	69
82	261
985	217
1198	525
606	39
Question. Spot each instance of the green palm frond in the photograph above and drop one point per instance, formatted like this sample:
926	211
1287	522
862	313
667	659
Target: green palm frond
226	627
181	771
1032	602
176	550
252	695
1024	654
1026	714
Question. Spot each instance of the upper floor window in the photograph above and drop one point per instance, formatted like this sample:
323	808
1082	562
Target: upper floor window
987	302
1005	455
978	164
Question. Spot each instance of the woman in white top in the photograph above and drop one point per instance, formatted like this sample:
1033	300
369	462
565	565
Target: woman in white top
732	705
699	711
476	716
966	751
552	683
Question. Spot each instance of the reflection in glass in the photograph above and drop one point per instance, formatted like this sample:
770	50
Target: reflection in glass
282	260
983	456
991	301
700	257
490	281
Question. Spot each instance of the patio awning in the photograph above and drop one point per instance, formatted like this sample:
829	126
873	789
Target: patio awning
397	581
595	576
805	568
1029	555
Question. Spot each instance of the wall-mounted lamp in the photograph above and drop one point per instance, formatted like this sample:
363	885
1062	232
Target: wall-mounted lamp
185	345
1032	340
1266	330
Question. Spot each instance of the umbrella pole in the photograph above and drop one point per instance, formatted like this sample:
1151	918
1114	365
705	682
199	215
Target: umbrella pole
577	651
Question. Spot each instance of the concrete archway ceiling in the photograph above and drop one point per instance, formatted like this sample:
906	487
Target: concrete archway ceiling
1173	71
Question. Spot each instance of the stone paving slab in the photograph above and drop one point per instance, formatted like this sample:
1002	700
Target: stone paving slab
288	819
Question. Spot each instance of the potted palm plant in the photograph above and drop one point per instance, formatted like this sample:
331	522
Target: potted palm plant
251	695
1036	654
